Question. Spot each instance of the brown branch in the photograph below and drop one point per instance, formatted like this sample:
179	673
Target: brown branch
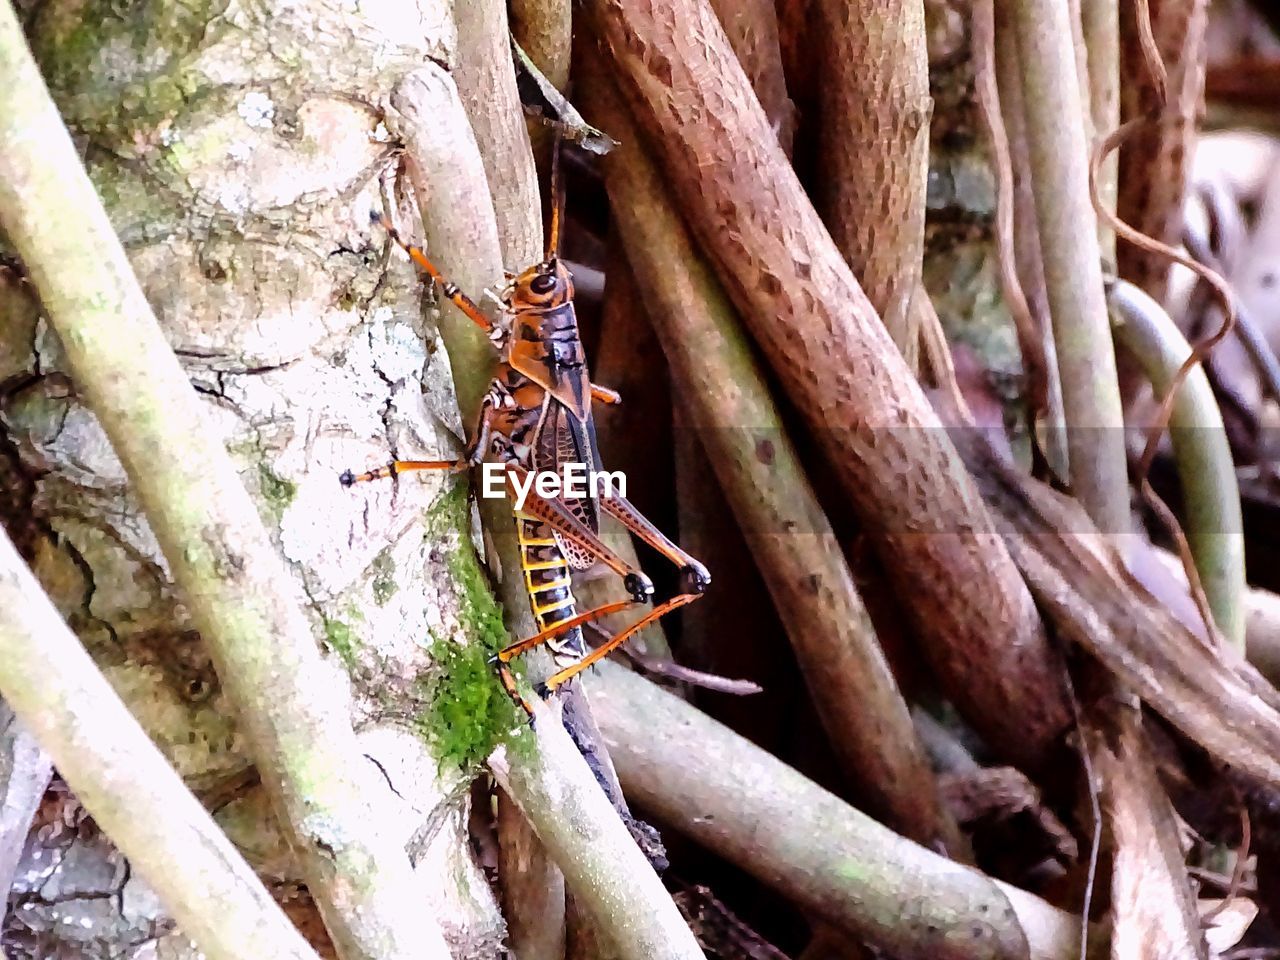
873	155
716	376
1026	230
1031	335
1153	909
1155	161
801	302
752	29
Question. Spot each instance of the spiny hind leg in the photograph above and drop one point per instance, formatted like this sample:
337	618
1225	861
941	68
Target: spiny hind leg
509	653
696	578
555	515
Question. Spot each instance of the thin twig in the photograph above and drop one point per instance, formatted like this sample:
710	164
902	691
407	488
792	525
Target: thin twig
443	154
1202	347
1030	336
665	667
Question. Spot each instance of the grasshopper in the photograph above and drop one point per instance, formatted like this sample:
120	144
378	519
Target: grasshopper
535	417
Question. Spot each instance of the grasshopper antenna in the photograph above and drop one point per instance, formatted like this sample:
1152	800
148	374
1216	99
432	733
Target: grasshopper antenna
553	234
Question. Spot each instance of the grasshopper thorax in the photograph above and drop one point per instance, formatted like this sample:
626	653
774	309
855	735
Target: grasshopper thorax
544	344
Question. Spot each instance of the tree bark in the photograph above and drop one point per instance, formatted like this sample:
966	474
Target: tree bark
242	200
873	155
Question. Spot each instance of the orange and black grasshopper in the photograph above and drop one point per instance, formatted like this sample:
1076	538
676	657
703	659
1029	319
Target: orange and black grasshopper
536	416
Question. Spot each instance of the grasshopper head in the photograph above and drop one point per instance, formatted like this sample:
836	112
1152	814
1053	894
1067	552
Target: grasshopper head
543	286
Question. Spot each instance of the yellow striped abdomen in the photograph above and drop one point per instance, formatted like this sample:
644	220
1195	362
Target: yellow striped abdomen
546	578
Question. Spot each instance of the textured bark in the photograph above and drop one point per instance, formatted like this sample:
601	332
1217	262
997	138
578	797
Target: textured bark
544	29
802	304
758	469
873	156
1156	159
243	206
752	29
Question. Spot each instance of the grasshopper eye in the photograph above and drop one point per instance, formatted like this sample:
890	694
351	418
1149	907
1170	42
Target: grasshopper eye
542	283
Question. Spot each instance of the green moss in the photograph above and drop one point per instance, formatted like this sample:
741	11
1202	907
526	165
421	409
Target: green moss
447	515
276	490
342	639
118	68
468	713
384	583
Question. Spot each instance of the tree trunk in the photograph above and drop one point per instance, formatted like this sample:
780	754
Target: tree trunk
242	195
